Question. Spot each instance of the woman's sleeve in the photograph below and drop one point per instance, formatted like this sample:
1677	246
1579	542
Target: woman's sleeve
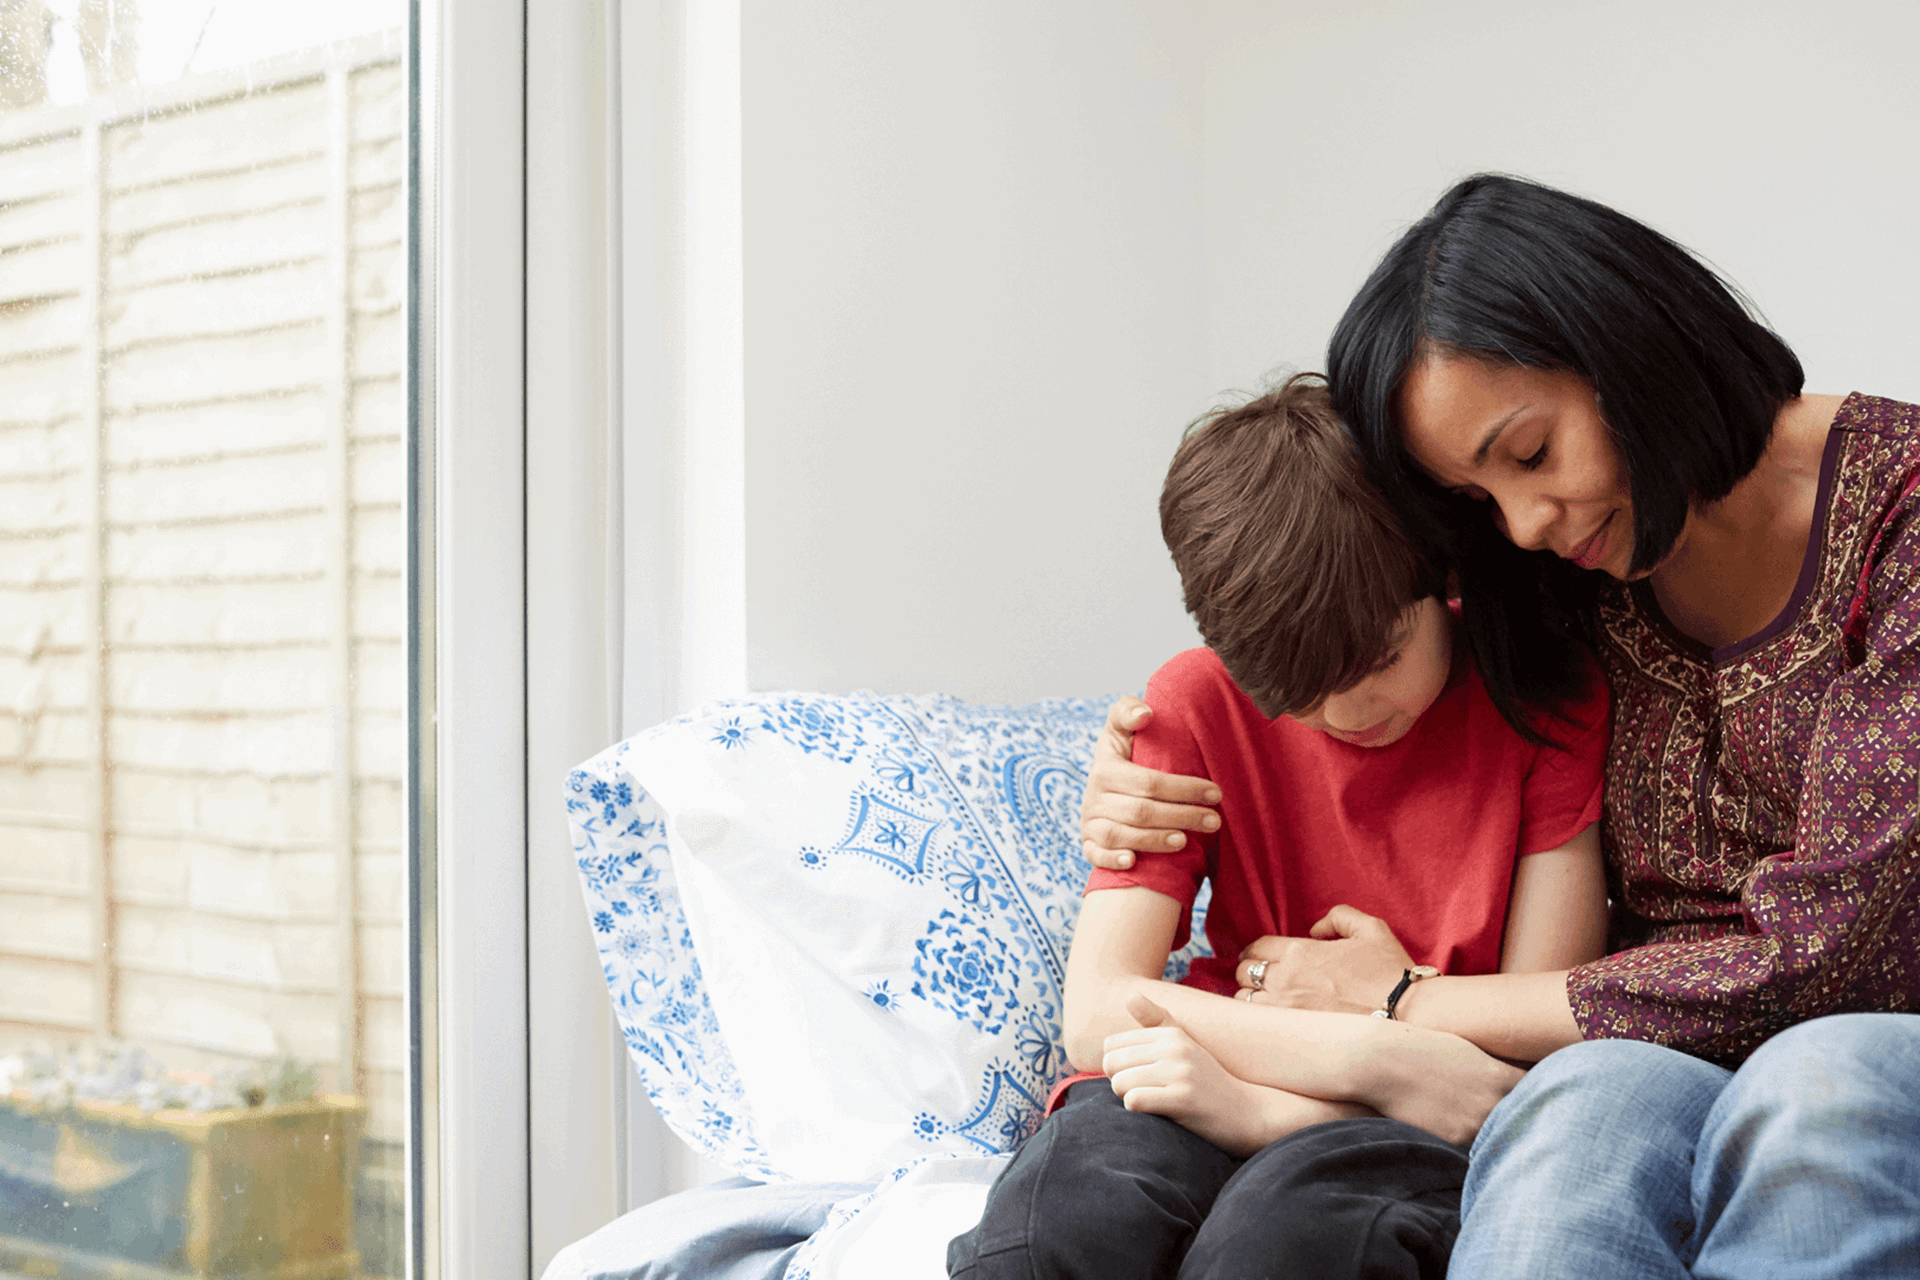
1833	926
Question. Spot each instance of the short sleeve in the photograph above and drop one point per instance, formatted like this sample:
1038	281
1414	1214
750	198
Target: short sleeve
1563	789
1167	743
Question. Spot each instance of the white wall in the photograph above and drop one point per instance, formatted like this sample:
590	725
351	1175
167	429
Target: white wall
973	333
1775	137
997	254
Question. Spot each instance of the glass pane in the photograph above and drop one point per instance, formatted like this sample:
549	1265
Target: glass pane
203	951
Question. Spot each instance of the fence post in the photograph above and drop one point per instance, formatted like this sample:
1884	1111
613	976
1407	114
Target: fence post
340	562
93	434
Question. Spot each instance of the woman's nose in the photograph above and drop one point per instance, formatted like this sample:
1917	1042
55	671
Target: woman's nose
1525	520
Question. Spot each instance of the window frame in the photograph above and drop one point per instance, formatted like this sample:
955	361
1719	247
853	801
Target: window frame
526	1109
467	1215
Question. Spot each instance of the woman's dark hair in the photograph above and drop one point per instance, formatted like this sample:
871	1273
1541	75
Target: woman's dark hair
1515	273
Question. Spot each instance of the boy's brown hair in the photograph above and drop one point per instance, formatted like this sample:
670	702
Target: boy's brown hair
1293	567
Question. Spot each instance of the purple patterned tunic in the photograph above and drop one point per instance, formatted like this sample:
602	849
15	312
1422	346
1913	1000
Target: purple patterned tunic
1763	798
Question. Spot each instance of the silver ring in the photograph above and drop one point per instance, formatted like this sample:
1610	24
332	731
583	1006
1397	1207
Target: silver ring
1257	975
1247	992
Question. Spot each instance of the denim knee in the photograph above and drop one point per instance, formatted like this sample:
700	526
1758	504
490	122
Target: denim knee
1826	1066
1594	1087
1809	1163
1852	1077
1585	1168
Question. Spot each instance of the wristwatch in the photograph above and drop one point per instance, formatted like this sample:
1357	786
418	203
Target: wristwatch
1407	978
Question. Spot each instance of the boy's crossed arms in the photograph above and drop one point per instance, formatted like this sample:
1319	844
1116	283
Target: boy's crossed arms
1167	1048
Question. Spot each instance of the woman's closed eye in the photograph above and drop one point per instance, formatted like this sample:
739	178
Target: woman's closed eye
1533	462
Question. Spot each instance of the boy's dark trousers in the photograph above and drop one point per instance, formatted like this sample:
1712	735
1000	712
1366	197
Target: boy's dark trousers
1110	1194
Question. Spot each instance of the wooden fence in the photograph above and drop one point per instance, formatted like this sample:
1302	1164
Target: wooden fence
202	608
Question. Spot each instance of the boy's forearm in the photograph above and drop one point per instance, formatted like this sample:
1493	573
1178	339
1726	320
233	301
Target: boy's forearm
1283	1112
1123	935
1262	1115
1438	1082
1318	1057
1326	1056
1097	1008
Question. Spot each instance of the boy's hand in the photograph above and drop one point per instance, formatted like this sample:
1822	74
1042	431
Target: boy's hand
1130	807
1162	1071
1349	965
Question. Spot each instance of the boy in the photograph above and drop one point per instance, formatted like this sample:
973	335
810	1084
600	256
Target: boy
1361	764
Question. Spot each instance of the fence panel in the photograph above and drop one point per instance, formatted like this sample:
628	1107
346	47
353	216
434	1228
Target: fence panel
202	349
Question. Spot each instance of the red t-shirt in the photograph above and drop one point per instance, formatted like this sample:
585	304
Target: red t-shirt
1423	832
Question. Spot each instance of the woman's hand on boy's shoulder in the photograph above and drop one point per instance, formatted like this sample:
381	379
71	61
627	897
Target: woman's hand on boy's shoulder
1349	965
1129	807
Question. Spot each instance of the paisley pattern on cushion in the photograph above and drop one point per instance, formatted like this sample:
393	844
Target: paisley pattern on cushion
835	928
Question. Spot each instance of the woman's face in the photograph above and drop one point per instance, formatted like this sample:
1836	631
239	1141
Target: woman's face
1533	442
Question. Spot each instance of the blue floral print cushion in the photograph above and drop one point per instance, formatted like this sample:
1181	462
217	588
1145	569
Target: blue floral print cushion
835	928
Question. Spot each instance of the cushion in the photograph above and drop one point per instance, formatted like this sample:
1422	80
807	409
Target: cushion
735	1229
835	928
901	1229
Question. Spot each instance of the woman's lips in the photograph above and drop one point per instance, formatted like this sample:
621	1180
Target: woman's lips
1367	737
1594	549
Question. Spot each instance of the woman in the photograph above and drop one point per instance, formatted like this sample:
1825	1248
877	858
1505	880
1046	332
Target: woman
1590	425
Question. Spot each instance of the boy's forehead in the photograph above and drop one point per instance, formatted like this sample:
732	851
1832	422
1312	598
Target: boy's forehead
1403	626
1401	632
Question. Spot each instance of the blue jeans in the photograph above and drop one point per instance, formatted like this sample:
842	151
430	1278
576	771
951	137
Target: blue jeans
1616	1160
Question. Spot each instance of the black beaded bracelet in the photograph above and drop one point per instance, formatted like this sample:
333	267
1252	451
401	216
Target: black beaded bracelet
1407	978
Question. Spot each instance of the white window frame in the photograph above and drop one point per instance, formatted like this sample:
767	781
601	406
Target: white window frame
469	1212
579	315
584	1169
528	1110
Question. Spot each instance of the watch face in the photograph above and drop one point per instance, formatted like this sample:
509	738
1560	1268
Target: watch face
1425	971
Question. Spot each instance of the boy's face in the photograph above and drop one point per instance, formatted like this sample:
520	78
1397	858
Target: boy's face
1382	708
